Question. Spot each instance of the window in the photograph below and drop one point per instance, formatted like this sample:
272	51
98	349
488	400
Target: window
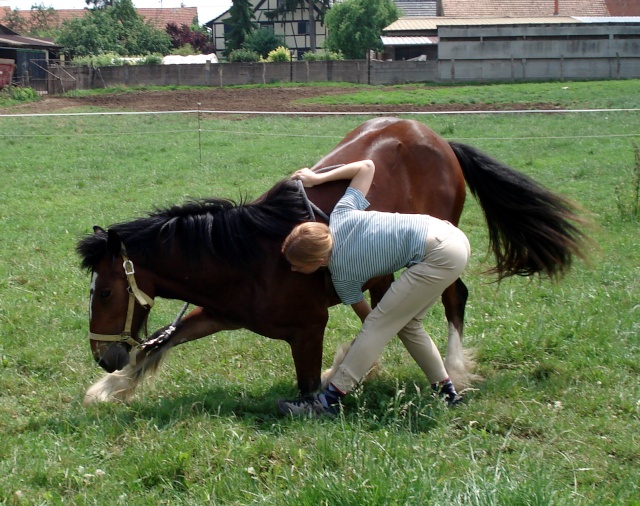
303	27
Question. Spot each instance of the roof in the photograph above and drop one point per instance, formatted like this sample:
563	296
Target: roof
408	41
11	39
524	8
432	23
417	7
159	17
623	7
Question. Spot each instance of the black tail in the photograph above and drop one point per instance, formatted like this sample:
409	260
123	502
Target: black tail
531	230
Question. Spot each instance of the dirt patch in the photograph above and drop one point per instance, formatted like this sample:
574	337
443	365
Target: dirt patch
284	99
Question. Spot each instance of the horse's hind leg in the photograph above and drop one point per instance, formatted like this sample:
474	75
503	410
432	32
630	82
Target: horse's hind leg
458	363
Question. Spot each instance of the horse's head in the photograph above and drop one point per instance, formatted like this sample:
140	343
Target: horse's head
118	307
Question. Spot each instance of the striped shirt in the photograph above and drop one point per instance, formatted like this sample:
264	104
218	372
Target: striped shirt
367	244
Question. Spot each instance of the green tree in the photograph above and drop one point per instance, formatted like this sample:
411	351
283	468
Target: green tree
41	22
263	42
44	21
117	29
13	20
240	24
355	26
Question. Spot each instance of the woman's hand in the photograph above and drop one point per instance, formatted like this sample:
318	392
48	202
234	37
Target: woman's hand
307	176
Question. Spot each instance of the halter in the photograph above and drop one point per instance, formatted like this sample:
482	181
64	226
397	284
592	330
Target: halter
135	295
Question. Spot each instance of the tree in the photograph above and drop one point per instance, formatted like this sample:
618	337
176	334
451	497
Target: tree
355	26
41	22
117	29
263	42
184	35
241	23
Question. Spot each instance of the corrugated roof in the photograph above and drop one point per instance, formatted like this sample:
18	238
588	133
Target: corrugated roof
609	19
417	7
409	41
524	8
27	42
429	23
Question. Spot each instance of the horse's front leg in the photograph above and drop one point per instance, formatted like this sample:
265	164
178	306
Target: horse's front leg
121	385
306	349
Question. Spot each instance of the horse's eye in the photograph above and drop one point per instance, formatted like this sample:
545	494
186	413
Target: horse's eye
105	294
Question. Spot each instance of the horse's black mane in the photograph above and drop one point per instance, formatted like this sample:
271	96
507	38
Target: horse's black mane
221	228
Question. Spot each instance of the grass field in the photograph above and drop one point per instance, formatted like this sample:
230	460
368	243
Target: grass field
556	420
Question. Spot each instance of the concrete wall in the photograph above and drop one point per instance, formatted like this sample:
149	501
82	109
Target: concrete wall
539	52
479	54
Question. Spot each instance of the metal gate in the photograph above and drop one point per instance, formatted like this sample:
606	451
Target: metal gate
43	76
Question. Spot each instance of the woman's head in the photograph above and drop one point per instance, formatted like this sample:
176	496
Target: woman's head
308	247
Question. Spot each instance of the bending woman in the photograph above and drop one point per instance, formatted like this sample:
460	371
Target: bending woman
359	245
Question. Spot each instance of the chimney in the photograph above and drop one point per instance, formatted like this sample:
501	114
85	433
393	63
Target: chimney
555	7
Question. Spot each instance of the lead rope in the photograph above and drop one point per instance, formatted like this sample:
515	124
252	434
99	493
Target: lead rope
166	334
313	209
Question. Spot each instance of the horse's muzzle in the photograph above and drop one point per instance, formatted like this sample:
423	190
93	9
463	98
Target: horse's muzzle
114	358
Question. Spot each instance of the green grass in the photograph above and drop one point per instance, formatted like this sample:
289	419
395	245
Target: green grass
556	420
571	95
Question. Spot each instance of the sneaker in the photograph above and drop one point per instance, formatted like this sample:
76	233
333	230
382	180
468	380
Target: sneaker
315	404
448	393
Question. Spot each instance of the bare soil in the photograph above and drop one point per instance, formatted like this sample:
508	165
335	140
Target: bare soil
239	99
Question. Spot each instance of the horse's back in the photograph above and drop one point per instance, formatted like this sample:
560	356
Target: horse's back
416	169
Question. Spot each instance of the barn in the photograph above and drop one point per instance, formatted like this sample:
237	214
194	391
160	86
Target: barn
30	55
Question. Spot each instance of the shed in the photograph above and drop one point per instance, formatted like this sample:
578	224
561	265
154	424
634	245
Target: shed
31	56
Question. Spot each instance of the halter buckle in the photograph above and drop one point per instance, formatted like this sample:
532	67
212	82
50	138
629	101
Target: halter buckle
127	265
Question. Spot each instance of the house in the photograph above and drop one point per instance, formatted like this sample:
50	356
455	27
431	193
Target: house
293	27
416	36
30	54
159	17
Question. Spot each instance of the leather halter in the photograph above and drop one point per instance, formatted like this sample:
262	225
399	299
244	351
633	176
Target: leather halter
135	295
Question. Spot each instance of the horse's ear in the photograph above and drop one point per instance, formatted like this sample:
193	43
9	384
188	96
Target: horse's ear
114	244
98	230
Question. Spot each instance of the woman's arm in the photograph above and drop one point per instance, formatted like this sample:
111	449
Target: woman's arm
362	309
360	173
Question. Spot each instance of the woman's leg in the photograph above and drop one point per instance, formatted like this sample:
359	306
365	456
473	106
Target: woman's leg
408	299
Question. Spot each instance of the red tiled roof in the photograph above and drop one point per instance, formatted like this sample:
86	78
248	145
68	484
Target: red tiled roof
524	8
623	7
159	17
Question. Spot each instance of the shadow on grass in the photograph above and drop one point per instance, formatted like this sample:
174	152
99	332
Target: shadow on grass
383	404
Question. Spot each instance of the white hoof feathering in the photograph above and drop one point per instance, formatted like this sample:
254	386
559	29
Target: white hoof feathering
459	362
115	386
328	374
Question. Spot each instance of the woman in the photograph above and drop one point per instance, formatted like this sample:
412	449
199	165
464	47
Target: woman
359	245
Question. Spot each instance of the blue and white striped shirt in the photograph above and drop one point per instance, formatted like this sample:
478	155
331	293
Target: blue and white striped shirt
367	244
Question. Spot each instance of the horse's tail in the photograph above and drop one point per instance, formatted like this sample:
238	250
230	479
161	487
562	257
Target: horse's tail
531	229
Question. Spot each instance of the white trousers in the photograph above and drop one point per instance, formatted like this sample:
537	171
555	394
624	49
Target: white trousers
403	307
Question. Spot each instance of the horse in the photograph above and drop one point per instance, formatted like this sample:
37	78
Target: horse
225	257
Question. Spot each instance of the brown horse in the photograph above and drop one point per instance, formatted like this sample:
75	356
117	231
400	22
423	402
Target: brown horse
225	257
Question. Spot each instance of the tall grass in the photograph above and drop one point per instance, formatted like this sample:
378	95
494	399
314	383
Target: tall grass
556	420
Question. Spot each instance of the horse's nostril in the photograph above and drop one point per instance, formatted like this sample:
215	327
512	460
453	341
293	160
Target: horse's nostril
114	358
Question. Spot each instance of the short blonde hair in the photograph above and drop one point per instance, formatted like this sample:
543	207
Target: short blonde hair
308	243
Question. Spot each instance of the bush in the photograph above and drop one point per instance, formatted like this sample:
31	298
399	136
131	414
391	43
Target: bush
115	60
16	94
152	59
243	55
279	54
263	42
323	55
